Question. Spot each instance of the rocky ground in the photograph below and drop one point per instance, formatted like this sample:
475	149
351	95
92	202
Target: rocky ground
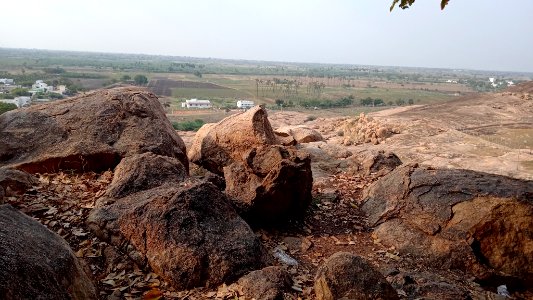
346	164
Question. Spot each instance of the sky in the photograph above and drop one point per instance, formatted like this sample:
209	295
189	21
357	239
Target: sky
468	34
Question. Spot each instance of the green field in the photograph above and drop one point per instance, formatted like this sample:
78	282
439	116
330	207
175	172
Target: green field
188	93
295	85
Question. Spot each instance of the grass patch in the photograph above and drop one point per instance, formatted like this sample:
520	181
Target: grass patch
188	125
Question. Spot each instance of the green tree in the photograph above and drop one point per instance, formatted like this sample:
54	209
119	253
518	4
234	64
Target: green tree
140	80
410	101
403	4
125	78
4	107
279	102
20	92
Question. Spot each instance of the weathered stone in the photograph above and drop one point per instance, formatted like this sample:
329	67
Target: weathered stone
347	276
144	171
218	145
380	163
266	181
273	183
2	194
15	181
300	134
456	218
36	263
187	232
91	132
269	283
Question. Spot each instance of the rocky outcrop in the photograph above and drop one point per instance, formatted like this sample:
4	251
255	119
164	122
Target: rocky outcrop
366	130
218	145
267	182
36	263
272	183
269	283
456	218
187	232
347	276
15	181
91	132
291	135
144	171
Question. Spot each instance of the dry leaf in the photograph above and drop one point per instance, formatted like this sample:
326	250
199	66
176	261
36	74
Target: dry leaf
153	294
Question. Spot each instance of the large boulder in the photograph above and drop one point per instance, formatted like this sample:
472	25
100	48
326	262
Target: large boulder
269	283
36	263
348	276
456	218
271	184
144	171
91	132
266	181
218	145
187	232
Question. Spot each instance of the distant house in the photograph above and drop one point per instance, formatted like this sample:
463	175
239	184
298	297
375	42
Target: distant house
7	81
18	101
195	103
40	86
22	101
245	104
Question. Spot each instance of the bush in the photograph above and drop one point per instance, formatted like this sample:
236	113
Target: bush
188	125
5	107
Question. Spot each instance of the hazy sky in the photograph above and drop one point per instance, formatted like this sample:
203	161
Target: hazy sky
476	34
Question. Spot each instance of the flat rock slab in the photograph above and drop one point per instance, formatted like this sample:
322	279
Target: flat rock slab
188	233
36	263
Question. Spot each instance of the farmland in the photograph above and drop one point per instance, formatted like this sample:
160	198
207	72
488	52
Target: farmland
316	89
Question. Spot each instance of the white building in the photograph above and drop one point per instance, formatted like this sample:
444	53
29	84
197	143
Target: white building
7	81
18	101
245	104
195	103
22	101
40	86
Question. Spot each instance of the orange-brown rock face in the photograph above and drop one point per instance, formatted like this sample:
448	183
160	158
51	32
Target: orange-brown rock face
91	132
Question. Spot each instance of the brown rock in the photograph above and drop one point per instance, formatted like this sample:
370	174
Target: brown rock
297	244
380	163
36	263
218	145
144	171
265	181
15	181
187	232
347	276
88	133
300	134
2	194
456	218
274	183
265	284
